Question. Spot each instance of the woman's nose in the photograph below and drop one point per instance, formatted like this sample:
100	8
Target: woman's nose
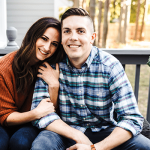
47	46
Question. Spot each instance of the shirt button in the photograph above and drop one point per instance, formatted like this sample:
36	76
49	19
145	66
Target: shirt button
81	105
80	91
83	118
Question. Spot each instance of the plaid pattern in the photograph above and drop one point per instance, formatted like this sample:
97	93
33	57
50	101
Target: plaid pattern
91	96
41	92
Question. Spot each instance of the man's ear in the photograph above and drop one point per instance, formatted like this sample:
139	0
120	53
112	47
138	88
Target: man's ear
93	37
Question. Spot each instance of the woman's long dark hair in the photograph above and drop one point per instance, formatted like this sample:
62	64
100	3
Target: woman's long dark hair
24	73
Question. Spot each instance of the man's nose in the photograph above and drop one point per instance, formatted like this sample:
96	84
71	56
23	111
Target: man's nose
73	36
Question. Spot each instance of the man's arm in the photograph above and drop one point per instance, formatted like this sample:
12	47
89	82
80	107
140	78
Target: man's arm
116	138
60	127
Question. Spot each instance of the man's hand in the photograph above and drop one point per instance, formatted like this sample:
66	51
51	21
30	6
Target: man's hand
79	147
49	75
82	139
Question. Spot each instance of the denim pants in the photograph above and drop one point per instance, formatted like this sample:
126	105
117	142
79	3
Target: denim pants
17	137
48	140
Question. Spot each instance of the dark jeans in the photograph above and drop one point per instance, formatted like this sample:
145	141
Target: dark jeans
47	140
17	137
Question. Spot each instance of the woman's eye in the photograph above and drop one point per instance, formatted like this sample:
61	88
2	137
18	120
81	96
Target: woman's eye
45	39
55	44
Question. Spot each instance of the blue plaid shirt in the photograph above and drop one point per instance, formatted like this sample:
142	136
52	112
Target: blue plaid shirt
96	96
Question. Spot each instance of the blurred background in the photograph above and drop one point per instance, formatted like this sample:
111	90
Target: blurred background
119	23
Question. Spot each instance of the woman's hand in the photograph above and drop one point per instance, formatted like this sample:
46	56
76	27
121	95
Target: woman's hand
44	108
49	75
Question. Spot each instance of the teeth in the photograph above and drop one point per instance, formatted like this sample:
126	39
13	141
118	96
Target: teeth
42	52
74	46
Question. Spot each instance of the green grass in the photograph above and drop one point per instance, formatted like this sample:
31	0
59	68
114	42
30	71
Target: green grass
143	85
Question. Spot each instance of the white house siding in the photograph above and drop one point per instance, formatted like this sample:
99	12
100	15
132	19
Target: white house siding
3	23
21	14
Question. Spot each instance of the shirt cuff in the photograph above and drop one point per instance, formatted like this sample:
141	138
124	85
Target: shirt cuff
129	126
45	121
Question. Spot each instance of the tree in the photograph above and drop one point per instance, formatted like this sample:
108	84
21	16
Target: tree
143	20
92	14
92	11
99	22
84	4
124	20
137	20
75	3
105	25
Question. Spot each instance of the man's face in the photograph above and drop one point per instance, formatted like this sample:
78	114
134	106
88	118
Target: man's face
77	39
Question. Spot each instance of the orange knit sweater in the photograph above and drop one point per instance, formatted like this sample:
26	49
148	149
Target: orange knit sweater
10	100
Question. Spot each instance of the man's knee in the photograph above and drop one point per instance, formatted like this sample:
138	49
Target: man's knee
47	140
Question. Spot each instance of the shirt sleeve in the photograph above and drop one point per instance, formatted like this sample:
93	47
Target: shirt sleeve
41	92
125	105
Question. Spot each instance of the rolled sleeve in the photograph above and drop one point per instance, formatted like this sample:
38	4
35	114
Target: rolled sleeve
128	115
41	92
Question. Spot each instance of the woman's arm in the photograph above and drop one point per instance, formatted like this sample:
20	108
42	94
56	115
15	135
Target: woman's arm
45	107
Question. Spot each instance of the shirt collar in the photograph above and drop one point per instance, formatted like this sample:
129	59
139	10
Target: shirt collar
89	60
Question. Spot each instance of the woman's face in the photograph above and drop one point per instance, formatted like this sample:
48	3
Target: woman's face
47	44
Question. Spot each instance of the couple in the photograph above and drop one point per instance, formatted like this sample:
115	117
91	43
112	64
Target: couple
97	108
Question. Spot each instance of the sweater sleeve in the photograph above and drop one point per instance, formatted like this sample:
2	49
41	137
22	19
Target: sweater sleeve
7	102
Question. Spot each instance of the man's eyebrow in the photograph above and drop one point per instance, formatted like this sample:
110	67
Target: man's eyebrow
80	28
66	28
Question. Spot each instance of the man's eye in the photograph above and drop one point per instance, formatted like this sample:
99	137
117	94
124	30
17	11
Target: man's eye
45	39
81	31
66	31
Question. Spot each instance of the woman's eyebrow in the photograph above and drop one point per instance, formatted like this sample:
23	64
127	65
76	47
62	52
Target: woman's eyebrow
46	36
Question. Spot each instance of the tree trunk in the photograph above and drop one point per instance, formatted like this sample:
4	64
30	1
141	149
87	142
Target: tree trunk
126	20
92	11
105	25
99	22
75	3
121	21
92	14
137	20
84	4
143	21
114	5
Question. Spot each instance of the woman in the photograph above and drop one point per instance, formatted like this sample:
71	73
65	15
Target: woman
18	71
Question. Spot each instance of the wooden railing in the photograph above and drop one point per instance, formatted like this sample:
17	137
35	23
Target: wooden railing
137	57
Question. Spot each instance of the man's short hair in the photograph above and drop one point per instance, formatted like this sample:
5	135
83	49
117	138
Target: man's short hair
77	12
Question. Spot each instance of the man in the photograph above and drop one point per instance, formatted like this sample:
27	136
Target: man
95	95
